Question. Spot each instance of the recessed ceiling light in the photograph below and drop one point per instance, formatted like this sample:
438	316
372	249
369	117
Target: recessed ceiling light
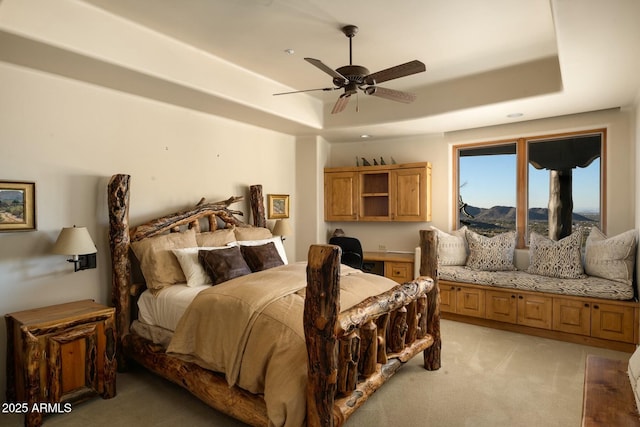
364	136
514	115
289	51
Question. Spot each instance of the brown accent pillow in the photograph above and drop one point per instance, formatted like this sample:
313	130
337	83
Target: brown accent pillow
252	233
159	265
261	257
223	264
216	238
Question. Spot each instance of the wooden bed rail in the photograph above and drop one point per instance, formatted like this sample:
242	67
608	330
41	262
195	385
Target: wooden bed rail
352	353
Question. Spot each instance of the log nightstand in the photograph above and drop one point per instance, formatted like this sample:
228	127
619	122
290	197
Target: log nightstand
58	355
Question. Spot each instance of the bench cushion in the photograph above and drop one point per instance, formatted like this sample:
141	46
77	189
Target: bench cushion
589	286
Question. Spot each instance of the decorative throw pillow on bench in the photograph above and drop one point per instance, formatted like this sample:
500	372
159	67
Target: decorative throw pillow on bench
611	258
491	253
561	259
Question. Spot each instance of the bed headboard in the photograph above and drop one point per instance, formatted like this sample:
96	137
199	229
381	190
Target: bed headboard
121	235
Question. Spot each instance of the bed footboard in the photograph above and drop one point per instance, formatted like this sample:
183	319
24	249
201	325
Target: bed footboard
352	353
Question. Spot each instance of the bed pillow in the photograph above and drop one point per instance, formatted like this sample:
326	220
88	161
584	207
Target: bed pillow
261	257
611	258
216	238
491	253
561	259
452	248
277	241
223	264
159	266
191	268
252	233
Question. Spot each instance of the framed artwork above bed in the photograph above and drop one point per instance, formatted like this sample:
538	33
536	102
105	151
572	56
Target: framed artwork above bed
278	206
17	206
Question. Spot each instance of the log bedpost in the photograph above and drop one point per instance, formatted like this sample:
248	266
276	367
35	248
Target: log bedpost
429	267
321	309
257	205
119	240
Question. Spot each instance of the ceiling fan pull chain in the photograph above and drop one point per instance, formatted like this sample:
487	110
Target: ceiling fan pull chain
357	103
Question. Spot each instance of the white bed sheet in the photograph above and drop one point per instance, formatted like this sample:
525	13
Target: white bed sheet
167	307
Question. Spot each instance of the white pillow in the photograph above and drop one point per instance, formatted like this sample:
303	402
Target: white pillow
611	258
191	267
277	241
452	248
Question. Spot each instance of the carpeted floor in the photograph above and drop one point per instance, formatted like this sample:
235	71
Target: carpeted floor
488	378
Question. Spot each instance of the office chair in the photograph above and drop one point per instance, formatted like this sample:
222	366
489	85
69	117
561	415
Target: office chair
351	250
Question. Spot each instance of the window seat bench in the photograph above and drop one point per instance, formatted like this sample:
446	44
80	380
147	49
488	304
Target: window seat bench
590	311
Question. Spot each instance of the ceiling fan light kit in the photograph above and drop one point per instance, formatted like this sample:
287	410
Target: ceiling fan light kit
351	77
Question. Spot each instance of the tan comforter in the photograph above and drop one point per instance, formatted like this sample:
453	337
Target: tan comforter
251	329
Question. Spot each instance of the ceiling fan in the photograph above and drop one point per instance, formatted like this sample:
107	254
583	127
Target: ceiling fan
353	77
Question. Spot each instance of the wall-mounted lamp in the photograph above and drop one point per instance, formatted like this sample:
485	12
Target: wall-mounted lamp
282	228
77	242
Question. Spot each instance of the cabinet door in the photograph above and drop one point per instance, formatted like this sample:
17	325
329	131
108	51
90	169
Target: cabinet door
470	301
502	306
401	272
410	189
535	311
74	361
341	196
571	316
613	322
447	298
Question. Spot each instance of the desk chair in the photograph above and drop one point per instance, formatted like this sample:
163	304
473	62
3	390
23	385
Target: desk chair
351	250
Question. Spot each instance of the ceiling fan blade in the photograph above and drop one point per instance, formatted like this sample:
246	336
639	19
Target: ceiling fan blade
337	77
398	71
341	103
394	95
307	90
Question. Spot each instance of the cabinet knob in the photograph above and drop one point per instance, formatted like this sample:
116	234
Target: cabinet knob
513	296
596	306
586	304
520	297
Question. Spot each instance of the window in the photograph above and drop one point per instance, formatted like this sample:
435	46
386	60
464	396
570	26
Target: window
548	184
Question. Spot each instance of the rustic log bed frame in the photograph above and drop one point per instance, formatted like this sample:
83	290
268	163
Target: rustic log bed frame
350	354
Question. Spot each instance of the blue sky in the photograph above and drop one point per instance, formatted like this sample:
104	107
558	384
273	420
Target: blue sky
491	181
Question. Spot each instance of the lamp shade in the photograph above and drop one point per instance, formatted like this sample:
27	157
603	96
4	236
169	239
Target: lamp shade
74	241
282	228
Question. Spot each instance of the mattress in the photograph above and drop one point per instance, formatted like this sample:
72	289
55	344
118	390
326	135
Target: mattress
167	307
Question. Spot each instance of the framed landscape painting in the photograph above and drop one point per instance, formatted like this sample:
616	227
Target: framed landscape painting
278	206
17	206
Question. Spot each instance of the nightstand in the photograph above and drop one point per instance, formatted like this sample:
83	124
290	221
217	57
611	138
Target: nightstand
59	355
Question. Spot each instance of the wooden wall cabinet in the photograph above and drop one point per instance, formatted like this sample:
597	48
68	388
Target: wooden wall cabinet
378	193
59	354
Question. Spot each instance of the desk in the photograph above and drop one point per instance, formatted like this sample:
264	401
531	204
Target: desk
395	266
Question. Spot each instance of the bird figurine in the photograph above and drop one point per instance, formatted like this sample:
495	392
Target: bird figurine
365	162
382	162
375	162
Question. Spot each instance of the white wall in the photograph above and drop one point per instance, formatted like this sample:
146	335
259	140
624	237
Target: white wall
70	137
436	149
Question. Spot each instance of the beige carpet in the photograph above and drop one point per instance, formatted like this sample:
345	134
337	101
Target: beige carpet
488	378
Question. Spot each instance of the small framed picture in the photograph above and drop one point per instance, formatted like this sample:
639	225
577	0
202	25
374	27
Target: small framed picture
278	206
17	206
